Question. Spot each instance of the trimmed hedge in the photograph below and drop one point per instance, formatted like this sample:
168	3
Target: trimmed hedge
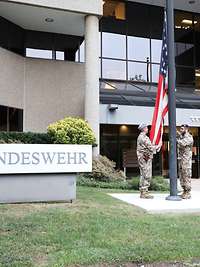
90	182
158	183
24	138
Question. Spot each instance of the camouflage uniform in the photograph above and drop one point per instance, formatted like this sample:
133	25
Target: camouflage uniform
184	147
145	151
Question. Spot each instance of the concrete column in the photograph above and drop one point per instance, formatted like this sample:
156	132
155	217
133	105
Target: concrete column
92	75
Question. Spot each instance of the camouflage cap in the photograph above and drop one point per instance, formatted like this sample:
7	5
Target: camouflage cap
142	126
185	125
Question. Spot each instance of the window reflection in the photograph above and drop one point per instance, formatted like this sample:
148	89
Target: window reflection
137	71
184	38
197	41
113	45
156	50
185	76
60	55
11	119
138	48
113	69
82	52
155	72
39	53
197	79
114	9
138	38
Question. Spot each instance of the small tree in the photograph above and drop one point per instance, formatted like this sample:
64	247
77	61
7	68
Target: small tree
71	131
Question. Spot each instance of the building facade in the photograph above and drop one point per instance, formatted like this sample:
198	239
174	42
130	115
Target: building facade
98	60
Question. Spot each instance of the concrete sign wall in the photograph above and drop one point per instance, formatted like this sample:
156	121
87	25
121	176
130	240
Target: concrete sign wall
40	158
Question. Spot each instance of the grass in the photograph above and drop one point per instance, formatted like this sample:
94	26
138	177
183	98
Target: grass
94	229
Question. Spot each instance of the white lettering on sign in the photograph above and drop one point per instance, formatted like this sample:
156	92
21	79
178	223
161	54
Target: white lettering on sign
19	158
195	118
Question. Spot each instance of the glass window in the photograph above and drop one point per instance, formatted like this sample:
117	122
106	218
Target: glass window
113	69
138	72
38	53
156	46
113	45
138	48
184	38
15	120
138	19
60	55
3	118
114	9
156	22
197	78
197	41
185	76
82	52
77	56
155	72
11	119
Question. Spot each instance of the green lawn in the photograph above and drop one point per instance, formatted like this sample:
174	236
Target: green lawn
94	229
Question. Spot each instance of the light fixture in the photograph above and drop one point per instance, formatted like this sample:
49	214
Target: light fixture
112	107
197	74
124	129
192	2
109	86
188	21
49	20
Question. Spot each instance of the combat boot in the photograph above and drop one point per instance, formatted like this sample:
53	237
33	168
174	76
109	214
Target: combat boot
183	194
186	195
145	195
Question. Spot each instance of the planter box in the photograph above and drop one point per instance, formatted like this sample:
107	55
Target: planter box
37	188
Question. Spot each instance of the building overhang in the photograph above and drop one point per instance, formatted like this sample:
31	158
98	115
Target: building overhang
44	16
186	5
94	7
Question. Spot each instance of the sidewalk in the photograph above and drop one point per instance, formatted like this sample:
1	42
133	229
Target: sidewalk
160	205
196	184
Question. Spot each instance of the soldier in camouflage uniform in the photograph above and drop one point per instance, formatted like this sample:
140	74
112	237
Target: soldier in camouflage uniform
145	151
184	148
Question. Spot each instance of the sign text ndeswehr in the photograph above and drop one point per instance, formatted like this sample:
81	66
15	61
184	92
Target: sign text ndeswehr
39	158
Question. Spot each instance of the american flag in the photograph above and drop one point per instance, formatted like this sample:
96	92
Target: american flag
161	105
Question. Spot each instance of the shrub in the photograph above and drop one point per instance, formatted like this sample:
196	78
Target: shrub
90	182
103	169
158	183
24	138
71	131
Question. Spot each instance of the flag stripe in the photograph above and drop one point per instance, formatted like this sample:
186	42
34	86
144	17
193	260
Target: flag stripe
161	105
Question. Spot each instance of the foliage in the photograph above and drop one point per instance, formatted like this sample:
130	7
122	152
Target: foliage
158	183
103	169
71	131
90	182
24	138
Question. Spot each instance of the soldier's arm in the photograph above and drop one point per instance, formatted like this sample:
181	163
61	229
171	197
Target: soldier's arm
149	145
185	141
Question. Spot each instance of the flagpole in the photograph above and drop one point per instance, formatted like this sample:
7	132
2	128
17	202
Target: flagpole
171	103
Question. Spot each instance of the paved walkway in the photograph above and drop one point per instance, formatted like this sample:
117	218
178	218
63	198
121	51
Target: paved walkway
160	205
196	184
